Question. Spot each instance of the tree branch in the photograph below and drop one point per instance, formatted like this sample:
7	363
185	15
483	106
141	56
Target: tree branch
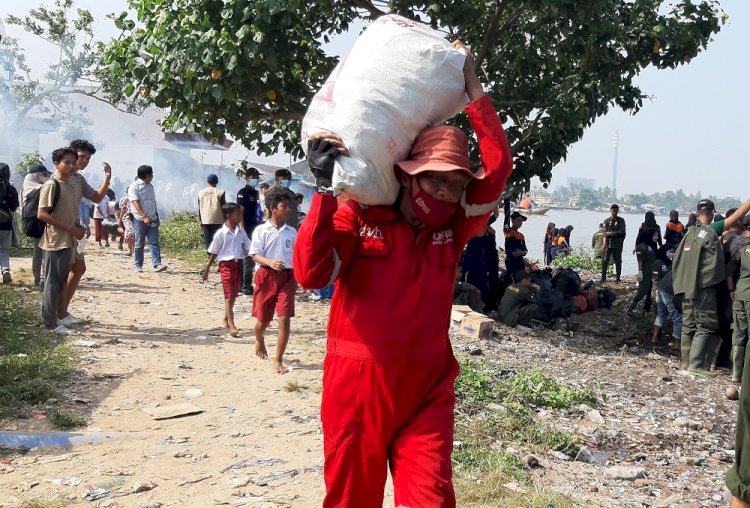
529	131
512	20
100	99
367	5
489	35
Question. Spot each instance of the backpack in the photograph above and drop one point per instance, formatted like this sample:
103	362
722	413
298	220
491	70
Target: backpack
32	226
6	215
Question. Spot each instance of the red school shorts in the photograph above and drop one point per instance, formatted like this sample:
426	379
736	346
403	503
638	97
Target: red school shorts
231	277
274	291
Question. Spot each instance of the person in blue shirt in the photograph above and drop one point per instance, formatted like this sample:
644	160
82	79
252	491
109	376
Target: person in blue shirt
249	200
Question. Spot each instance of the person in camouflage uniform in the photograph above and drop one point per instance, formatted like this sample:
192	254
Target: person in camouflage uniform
698	267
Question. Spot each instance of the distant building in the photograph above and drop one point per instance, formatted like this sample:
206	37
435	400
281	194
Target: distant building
586	183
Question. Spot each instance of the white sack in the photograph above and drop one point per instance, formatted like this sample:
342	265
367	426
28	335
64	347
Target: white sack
400	77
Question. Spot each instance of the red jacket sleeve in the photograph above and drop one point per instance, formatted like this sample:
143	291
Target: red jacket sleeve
482	196
325	243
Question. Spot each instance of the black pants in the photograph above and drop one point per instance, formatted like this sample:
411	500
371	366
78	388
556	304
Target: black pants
209	230
615	253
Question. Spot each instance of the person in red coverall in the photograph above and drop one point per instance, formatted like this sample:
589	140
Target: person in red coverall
388	376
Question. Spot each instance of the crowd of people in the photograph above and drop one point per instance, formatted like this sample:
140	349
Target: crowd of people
389	372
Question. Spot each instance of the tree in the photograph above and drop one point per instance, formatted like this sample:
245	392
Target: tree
588	198
27	160
70	31
248	68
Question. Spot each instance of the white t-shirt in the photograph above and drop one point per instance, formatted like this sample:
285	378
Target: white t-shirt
272	243
229	245
101	210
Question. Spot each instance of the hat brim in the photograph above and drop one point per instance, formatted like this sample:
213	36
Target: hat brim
415	167
520	216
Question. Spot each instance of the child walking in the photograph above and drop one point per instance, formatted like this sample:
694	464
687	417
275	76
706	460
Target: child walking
271	249
230	244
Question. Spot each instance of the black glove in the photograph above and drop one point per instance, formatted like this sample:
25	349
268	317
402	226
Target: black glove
320	157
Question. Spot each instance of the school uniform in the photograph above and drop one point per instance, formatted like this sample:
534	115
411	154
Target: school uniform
274	289
230	247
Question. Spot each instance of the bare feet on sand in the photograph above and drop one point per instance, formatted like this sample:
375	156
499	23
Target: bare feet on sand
260	349
280	367
233	331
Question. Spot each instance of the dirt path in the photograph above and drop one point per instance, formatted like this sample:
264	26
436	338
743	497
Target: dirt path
159	335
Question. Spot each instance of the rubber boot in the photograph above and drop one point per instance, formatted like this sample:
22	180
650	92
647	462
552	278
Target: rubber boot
712	353
685	344
738	362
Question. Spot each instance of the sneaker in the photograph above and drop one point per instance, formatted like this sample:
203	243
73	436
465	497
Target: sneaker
7	279
160	268
61	330
70	320
523	328
139	269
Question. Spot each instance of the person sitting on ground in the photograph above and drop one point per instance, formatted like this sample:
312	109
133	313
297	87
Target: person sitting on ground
229	246
674	229
515	246
388	382
271	248
597	242
518	307
9	203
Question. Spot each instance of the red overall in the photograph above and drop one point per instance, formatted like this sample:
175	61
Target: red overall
388	376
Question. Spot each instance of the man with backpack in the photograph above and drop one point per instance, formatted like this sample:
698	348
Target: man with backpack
8	207
32	184
57	210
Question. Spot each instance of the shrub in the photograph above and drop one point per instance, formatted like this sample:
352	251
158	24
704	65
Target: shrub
182	232
581	258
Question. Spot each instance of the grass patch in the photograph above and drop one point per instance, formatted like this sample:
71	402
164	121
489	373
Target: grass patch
494	410
33	362
294	387
64	421
181	238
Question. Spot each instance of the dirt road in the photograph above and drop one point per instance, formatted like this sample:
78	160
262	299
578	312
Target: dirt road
159	343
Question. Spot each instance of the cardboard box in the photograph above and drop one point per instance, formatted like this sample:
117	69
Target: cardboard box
478	327
459	312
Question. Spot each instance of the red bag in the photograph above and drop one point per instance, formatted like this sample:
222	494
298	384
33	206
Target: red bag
579	304
592	299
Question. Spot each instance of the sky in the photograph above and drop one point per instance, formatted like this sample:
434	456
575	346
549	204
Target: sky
692	134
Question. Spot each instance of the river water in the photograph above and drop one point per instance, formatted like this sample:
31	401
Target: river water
585	224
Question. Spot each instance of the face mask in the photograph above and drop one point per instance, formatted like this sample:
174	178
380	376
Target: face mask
253	182
430	210
285	184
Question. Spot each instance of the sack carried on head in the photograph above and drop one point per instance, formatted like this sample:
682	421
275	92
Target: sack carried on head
400	77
